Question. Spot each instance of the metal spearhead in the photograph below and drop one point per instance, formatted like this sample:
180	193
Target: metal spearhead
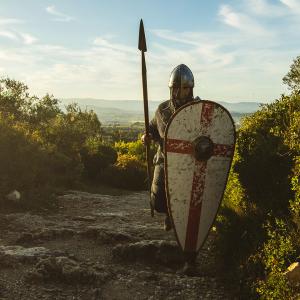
142	38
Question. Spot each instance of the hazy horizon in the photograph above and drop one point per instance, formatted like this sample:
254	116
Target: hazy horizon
153	100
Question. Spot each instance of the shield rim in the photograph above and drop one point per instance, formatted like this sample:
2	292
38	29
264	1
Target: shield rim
166	170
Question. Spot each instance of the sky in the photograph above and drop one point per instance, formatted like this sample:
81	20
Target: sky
237	50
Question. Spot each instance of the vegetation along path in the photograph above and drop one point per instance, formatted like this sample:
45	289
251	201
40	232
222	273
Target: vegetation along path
99	246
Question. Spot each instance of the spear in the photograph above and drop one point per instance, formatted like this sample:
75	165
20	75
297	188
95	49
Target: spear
143	48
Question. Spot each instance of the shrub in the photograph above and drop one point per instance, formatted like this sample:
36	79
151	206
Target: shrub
259	188
69	132
295	203
276	254
128	173
96	157
23	166
41	146
265	160
14	98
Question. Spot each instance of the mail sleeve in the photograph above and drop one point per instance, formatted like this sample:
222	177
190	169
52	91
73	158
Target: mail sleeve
153	130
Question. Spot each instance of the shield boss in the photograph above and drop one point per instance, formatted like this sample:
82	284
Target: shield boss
203	148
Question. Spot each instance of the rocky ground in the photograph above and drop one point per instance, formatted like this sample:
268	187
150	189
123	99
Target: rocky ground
99	246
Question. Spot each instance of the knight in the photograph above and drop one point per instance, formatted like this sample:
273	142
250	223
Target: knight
181	86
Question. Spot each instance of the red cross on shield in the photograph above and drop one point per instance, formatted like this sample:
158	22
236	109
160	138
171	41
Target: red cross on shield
195	183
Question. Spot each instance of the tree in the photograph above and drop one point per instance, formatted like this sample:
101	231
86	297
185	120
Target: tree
69	131
292	78
14	98
43	110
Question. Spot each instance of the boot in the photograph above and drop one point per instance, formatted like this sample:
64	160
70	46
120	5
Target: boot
168	223
190	267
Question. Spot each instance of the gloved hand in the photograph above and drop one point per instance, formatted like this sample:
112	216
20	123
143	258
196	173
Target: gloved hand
145	140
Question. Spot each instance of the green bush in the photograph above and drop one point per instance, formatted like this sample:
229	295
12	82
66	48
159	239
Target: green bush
258	224
277	252
69	131
69	141
96	157
42	147
265	160
127	173
295	202
292	78
14	99
276	287
24	167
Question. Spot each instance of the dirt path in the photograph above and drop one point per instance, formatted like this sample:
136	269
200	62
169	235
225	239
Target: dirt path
98	247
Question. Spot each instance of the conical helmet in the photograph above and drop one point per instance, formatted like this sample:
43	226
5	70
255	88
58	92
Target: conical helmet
181	77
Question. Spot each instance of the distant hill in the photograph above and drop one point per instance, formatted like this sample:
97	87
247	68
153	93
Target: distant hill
127	105
241	107
129	111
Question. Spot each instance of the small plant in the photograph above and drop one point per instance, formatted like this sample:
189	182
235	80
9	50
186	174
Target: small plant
277	253
128	172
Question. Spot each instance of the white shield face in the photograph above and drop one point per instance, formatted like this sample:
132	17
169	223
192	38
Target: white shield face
195	181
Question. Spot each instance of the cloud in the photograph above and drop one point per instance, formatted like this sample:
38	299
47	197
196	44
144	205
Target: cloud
16	36
293	5
205	48
8	56
181	38
230	17
265	8
104	42
241	21
238	60
60	17
103	69
9	34
110	70
10	21
28	39
229	59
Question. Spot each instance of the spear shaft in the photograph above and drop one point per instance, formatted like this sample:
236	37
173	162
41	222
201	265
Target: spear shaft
143	48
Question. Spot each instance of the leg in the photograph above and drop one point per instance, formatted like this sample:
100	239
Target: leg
158	194
190	268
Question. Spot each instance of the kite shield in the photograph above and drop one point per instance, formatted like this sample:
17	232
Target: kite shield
199	146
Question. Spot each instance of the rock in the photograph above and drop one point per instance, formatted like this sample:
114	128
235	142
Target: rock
25	221
97	293
14	196
293	272
158	251
111	214
25	237
72	195
105	235
84	218
52	290
45	235
64	269
146	275
49	234
69	268
110	236
12	254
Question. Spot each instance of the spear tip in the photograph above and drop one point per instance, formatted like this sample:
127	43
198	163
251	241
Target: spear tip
142	38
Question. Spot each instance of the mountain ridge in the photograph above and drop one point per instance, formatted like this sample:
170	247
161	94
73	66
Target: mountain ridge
128	111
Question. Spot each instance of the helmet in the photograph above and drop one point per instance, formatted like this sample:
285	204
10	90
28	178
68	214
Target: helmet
181	85
181	76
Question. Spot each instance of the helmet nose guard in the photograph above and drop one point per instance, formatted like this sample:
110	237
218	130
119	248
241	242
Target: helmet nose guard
181	77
